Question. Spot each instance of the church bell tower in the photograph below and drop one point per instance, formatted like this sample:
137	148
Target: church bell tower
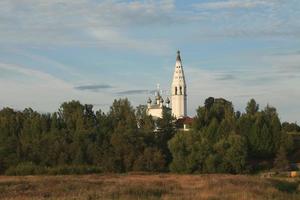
179	92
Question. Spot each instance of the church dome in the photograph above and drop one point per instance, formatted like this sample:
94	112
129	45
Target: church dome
157	97
167	100
149	100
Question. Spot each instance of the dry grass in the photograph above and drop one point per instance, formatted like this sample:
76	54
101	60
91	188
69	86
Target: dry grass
139	186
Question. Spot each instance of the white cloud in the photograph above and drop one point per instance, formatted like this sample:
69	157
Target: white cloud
137	25
233	4
248	19
111	38
116	24
66	22
266	86
41	91
46	78
43	62
285	63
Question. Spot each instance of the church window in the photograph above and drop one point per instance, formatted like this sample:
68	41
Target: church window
180	90
175	90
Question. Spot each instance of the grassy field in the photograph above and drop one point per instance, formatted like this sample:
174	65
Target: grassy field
139	186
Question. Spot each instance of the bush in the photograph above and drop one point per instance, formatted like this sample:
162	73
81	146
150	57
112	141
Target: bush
262	166
29	168
25	168
73	169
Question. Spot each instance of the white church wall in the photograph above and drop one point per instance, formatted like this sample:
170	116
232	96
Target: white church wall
155	112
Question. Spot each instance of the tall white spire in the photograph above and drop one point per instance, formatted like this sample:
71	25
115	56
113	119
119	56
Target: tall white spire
179	92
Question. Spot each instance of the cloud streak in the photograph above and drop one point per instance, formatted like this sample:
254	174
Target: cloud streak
81	22
94	88
42	91
111	24
84	41
233	4
112	38
135	92
225	77
34	74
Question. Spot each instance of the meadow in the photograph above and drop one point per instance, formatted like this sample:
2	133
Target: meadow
148	186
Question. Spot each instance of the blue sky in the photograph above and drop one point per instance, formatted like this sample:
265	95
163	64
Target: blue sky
95	51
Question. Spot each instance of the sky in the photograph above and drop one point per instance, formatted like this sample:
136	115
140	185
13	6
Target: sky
96	51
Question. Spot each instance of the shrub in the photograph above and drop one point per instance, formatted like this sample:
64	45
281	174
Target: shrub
24	168
29	168
73	169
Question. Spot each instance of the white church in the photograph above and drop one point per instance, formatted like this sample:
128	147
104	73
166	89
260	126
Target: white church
178	98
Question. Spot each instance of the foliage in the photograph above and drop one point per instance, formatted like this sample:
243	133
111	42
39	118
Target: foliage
281	162
77	139
72	169
262	130
213	146
290	127
226	141
28	168
22	169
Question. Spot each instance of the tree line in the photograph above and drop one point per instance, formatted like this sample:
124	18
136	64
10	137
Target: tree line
77	139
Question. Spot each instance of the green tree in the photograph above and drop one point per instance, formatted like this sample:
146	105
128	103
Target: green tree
236	154
126	139
290	127
252	107
281	162
126	143
151	160
166	131
179	146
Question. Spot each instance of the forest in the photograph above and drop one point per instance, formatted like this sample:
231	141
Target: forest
78	140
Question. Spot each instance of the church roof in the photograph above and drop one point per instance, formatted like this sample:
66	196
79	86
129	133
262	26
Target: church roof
185	120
